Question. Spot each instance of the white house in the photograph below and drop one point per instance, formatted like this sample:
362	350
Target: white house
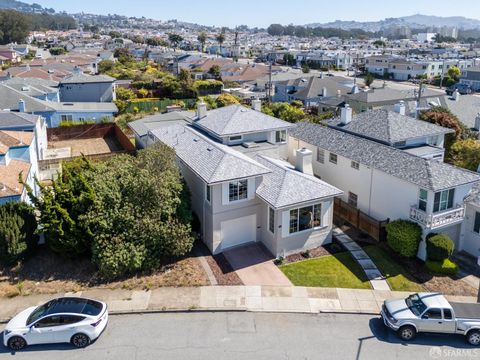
386	182
242	198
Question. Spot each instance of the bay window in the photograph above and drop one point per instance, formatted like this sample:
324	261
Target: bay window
305	218
422	200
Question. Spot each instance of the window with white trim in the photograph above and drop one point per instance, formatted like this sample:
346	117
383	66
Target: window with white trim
271	220
305	218
66	117
235	137
333	158
320	156
422	200
476	224
237	190
352	199
355	165
281	136
443	200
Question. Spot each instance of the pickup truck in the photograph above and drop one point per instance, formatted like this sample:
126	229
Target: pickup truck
432	313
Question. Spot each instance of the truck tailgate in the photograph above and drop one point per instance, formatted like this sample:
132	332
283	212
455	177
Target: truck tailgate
466	311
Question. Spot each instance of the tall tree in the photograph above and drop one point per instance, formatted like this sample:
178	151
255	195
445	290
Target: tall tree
175	40
220	39
202	39
14	26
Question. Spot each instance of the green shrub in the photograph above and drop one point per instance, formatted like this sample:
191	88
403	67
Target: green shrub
439	247
403	237
17	232
444	267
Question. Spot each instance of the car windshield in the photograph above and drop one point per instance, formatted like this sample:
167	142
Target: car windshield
39	312
415	304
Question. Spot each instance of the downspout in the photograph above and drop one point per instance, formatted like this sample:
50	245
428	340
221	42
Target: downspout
370	194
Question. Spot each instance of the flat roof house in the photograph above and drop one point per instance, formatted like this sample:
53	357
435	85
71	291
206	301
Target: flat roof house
241	198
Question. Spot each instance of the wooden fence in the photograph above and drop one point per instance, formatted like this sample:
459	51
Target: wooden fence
363	222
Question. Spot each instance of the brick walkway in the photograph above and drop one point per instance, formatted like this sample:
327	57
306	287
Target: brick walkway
377	280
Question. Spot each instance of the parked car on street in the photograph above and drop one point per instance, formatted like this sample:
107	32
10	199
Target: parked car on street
463	89
432	313
73	320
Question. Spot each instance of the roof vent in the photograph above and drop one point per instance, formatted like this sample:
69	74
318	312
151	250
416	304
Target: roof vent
195	139
209	148
25	88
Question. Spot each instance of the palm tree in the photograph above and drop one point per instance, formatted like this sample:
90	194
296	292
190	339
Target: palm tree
202	39
221	39
175	39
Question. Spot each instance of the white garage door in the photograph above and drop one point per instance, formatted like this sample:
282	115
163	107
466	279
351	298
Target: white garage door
238	231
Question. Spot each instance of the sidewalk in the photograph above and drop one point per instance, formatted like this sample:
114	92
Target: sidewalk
227	298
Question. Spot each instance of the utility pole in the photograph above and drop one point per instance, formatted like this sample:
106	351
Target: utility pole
270	82
443	74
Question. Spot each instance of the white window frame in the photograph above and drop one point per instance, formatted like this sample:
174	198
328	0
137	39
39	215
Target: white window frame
282	135
331	158
235	138
237	196
320	156
271	220
316	216
208	193
355	165
66	117
422	199
444	200
352	199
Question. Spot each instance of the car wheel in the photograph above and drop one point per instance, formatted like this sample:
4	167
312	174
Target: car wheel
16	343
80	340
407	332
473	337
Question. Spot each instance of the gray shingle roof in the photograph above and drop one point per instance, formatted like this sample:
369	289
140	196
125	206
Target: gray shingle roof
237	119
84	78
142	126
314	87
388	126
466	108
388	94
286	186
15	119
428	174
213	162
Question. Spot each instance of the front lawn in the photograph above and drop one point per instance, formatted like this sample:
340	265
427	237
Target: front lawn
335	271
398	278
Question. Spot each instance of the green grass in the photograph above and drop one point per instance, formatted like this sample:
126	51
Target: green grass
398	278
336	271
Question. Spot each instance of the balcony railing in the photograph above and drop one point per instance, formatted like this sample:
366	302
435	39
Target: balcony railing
436	220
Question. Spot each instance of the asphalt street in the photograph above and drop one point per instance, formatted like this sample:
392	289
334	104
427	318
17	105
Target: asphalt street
250	336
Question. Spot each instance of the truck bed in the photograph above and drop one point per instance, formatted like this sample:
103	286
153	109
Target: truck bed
466	311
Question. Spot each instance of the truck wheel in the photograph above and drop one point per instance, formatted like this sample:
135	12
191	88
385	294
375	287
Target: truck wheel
407	332
473	337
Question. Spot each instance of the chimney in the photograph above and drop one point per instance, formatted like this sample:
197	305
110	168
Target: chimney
477	122
456	95
324	92
346	115
400	107
257	104
201	110
303	161
21	106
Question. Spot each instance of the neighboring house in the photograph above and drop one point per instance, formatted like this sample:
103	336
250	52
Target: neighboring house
314	90
241	199
378	65
142	126
15	121
471	225
17	158
385	182
55	112
37	88
394	128
466	108
471	77
80	87
10	54
382	97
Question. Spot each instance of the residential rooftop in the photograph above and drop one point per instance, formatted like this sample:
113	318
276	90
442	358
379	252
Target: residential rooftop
428	174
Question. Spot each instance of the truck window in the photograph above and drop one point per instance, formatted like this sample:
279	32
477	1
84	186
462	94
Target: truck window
432	314
447	314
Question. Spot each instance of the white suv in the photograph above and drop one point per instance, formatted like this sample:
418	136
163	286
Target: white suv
69	319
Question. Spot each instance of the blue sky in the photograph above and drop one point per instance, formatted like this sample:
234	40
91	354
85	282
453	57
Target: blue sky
264	12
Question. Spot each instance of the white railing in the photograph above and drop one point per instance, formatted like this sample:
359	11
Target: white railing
433	221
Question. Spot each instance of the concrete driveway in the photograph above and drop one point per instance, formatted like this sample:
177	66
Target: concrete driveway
254	266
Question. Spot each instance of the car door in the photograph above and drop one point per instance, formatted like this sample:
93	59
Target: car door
431	320
448	324
67	327
43	331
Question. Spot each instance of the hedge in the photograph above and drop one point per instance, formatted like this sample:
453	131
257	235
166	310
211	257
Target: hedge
444	267
439	247
403	237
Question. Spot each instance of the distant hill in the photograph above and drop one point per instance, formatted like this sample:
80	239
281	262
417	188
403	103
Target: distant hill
413	21
24	7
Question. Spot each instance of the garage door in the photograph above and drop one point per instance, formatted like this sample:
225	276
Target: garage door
238	231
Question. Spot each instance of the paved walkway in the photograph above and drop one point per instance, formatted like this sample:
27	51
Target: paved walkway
254	266
227	298
377	280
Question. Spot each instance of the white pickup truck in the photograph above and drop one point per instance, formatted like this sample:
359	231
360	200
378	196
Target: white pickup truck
432	313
